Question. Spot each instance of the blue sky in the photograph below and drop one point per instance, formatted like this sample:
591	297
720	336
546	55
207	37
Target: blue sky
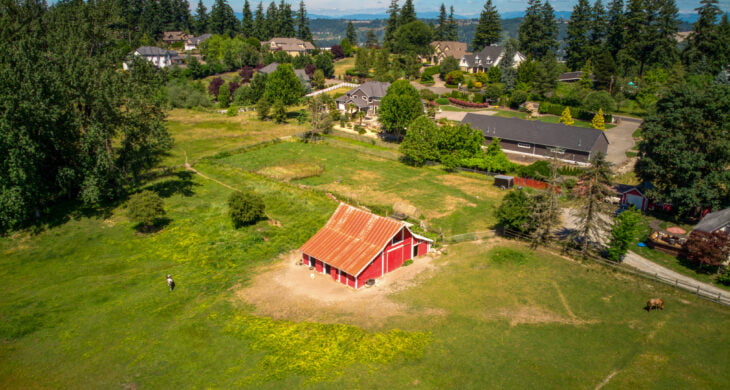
464	7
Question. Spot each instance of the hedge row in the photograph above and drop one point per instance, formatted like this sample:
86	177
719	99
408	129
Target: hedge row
579	113
467	104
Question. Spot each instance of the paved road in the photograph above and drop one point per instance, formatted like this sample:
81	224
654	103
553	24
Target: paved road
620	139
685	282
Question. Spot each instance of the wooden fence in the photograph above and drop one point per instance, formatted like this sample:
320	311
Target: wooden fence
695	288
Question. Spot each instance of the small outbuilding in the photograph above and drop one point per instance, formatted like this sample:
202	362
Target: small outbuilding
715	221
504	182
356	245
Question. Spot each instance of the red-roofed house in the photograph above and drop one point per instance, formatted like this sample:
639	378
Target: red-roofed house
356	245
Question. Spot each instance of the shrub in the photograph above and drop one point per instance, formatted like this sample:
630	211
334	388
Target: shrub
494	91
245	208
537	170
454	77
215	85
468	104
407	263
232	111
518	97
724	278
599	100
427	94
145	208
442	101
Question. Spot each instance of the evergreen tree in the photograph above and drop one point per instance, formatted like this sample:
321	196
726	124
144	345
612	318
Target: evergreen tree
247	27
440	30
578	43
598	122
371	40
546	76
351	33
452	32
489	29
538	31
273	29
544	212
616	26
605	71
382	65
303	31
507	72
260	26
222	20
624	231
391	25
702	44
599	28
566	118
662	34
286	20
407	13
593	213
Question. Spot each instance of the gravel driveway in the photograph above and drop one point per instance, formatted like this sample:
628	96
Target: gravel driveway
685	282
620	139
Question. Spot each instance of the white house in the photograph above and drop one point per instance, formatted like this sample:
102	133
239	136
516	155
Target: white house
160	58
194	42
488	57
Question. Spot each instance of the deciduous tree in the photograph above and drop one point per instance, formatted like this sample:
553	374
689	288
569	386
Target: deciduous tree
145	208
400	105
245	208
283	86
685	149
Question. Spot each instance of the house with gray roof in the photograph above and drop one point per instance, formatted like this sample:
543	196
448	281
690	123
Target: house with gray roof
575	145
366	97
192	43
160	58
486	58
272	67
715	221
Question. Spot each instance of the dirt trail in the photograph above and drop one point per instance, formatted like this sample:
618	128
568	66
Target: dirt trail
294	292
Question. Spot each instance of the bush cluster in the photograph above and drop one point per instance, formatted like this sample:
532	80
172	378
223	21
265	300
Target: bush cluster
557	109
245	208
462	103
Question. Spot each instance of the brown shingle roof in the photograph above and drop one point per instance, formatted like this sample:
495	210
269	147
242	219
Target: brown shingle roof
289	44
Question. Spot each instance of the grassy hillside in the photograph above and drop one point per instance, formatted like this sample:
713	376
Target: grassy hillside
85	304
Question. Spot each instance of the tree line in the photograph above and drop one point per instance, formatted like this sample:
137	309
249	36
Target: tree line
146	20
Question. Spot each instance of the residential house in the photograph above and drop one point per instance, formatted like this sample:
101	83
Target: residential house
714	222
366	97
443	49
160	58
575	145
291	46
192	43
486	58
355	246
170	37
270	68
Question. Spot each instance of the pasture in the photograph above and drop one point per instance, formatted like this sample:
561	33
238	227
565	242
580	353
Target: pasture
85	304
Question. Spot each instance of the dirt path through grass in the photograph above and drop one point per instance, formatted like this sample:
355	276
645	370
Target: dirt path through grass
289	291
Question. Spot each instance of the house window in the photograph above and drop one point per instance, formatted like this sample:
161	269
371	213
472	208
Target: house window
557	150
364	98
398	237
522	145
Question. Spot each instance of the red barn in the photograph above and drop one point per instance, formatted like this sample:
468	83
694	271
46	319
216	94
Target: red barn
356	245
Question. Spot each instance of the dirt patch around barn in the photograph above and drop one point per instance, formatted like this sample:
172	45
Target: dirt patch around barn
289	291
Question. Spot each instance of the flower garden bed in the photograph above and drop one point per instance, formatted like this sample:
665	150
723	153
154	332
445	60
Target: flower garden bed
462	103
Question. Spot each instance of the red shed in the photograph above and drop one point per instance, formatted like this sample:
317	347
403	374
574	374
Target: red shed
633	196
356	245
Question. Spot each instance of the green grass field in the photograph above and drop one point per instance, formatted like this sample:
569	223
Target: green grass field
85	304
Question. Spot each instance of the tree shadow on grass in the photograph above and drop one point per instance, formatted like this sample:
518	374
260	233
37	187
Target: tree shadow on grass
182	184
159	224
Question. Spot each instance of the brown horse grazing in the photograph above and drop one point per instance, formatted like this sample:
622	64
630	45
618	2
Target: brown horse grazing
654	303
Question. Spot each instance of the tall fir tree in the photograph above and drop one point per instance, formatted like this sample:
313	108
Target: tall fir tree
247	22
272	21
545	211
407	13
593	214
663	31
440	31
286	20
303	31
260	27
222	19
632	55
371	40
530	30
599	28
549	29
391	25
351	33
615	29
489	29
701	52
577	41
452	33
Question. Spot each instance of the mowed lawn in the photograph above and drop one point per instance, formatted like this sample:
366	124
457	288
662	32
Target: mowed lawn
455	203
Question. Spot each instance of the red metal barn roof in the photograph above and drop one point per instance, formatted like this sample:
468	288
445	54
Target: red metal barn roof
351	238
